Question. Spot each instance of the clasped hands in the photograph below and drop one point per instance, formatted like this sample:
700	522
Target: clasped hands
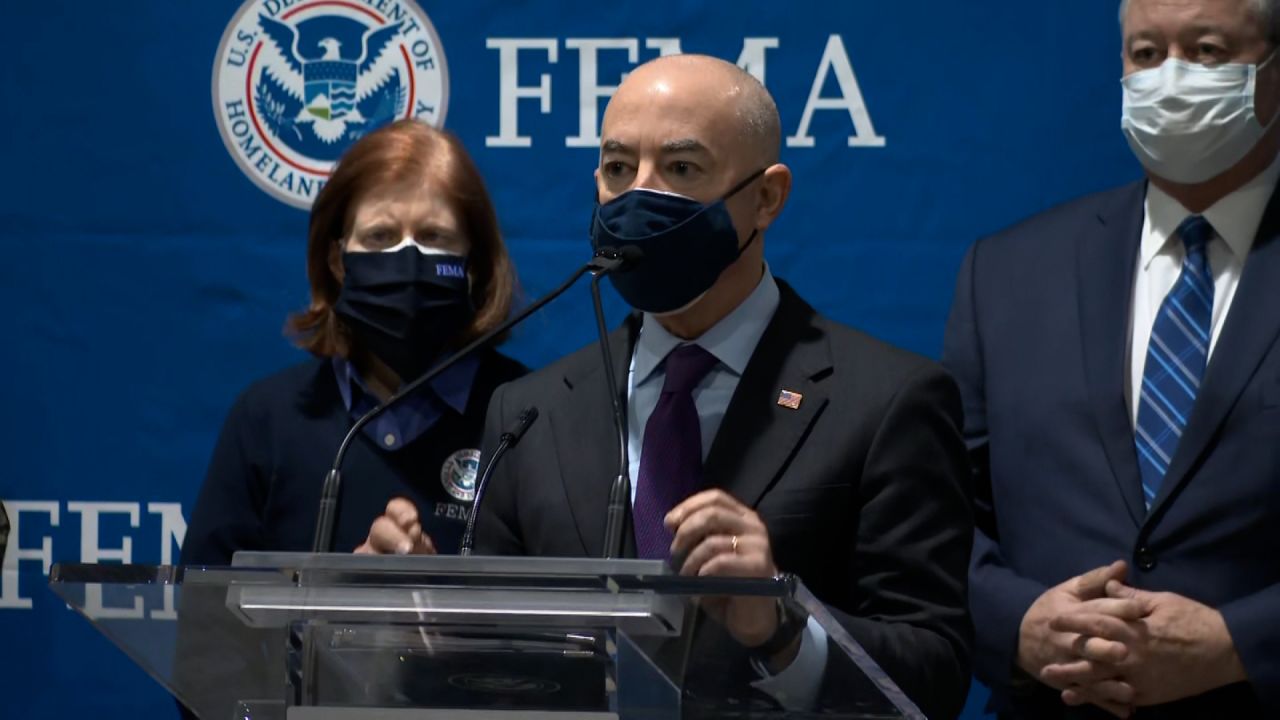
1101	642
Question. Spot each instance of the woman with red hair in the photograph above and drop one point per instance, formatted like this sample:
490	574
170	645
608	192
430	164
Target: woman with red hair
406	264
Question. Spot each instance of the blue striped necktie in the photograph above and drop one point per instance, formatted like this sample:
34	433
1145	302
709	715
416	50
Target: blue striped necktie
1176	359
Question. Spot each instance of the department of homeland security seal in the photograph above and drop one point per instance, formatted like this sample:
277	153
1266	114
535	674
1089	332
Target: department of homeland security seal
296	82
458	474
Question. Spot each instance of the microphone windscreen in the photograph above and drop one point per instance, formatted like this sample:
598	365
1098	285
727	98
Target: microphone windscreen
631	256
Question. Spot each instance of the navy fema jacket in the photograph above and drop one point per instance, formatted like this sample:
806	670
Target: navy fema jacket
263	485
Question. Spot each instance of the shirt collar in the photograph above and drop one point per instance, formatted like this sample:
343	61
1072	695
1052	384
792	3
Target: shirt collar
453	386
1235	217
731	341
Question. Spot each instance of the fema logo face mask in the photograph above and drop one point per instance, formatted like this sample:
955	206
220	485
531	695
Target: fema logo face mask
686	245
406	304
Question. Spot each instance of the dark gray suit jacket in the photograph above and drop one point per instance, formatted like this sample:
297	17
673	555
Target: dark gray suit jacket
861	487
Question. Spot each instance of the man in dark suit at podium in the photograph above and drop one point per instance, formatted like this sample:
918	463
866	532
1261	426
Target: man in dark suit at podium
763	437
1121	376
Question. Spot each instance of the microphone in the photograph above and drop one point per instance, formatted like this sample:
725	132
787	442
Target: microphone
620	491
629	255
605	261
506	441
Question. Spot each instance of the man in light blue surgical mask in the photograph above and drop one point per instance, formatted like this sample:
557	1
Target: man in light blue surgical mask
1199	109
1119	361
763	437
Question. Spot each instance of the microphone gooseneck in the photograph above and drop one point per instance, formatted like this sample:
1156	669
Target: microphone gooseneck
620	490
506	441
603	262
327	514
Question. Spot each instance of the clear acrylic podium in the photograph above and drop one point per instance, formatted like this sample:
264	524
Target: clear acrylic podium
284	636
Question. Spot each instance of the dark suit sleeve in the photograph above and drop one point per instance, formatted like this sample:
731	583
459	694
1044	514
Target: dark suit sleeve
497	525
998	597
228	513
1254	624
914	534
4	531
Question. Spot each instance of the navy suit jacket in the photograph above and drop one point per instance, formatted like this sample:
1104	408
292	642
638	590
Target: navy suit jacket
1037	339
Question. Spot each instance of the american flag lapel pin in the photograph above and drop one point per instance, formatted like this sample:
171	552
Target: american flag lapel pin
790	399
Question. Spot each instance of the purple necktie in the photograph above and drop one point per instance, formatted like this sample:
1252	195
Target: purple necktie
671	459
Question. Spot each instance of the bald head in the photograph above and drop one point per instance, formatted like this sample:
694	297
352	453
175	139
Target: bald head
699	127
740	102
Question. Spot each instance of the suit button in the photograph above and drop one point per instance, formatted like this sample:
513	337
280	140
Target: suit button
1145	559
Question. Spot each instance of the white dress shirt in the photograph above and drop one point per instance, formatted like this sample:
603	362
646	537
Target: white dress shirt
1235	220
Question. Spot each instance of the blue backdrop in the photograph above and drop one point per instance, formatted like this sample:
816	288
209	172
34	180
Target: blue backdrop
147	276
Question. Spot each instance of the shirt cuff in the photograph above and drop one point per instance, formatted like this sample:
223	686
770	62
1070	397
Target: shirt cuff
796	687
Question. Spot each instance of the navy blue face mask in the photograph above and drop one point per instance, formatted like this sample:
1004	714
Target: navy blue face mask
686	245
405	306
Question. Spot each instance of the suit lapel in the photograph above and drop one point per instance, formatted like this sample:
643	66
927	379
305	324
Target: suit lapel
586	443
758	436
1250	330
1107	259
